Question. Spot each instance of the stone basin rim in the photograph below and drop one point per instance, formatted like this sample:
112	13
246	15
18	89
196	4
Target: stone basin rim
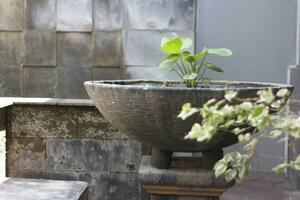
129	84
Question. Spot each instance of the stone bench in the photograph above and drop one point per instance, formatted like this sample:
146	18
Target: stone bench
39	189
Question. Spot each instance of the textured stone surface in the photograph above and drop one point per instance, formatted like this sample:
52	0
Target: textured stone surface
11	80
293	195
70	81
40	48
11	15
28	189
160	15
26	153
11	47
106	73
108	14
75	15
74	49
39	81
40	14
126	156
142	48
108	48
60	122
78	155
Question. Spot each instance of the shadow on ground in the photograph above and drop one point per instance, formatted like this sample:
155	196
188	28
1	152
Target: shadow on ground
262	186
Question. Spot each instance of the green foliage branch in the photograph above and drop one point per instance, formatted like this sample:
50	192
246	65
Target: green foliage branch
244	117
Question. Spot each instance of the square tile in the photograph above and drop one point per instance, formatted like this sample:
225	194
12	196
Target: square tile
176	15
26	153
107	48
11	80
40	48
125	156
78	155
106	73
74	49
39	82
142	48
40	14
75	15
11	15
11	48
108	14
70	82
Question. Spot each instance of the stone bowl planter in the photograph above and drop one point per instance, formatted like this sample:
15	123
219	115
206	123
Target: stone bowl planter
147	110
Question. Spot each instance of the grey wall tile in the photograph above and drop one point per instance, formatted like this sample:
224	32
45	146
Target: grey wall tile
160	15
11	48
108	14
40	48
40	14
70	82
11	15
107	48
106	73
125	155
75	15
39	81
143	47
78	155
11	80
26	153
74	49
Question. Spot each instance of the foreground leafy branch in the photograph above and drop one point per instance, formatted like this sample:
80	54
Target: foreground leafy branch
244	117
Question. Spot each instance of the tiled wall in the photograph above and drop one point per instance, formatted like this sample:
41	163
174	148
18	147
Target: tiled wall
48	48
72	143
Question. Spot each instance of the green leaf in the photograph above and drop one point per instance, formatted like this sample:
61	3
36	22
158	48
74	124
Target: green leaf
186	53
242	172
213	67
167	63
186	43
194	58
257	111
200	55
173	46
219	163
172	57
220	170
220	51
166	39
230	175
190	59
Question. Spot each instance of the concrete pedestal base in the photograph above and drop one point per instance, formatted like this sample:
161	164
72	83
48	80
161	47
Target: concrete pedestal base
185	180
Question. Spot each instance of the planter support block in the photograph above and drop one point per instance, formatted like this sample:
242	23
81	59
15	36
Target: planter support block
186	179
161	159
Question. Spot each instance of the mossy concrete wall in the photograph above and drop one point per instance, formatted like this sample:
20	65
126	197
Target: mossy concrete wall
48	48
72	143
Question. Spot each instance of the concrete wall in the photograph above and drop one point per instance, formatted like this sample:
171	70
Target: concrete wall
72	143
49	48
262	35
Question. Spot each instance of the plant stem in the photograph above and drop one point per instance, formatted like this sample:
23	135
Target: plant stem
178	66
178	74
203	59
184	66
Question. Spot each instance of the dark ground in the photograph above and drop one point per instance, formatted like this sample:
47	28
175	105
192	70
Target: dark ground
260	187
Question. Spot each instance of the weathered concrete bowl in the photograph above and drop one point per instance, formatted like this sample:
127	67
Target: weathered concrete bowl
147	111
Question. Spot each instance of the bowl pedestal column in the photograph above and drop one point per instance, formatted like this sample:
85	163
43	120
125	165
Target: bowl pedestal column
182	178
